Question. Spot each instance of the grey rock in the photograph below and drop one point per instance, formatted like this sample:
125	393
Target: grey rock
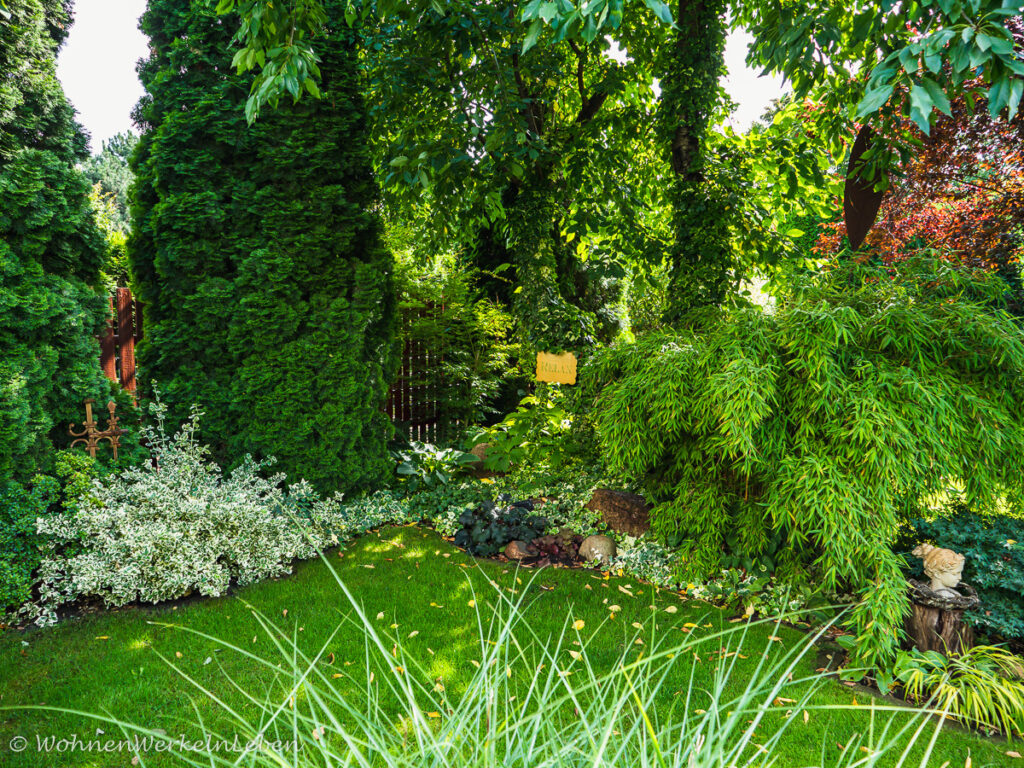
597	547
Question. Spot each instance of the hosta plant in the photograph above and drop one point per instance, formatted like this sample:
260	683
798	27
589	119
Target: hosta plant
803	431
423	466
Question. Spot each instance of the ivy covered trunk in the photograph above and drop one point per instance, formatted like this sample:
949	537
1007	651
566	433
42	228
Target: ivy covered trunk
269	298
701	255
50	248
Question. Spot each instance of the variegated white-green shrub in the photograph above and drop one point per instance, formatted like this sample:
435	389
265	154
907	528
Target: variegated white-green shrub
179	525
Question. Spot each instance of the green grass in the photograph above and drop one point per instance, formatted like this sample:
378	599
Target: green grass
111	662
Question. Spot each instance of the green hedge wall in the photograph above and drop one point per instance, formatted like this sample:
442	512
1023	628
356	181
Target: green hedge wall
50	249
268	296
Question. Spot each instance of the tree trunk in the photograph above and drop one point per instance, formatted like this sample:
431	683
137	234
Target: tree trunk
936	622
934	629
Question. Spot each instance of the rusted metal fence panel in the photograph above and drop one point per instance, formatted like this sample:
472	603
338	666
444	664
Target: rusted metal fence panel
117	345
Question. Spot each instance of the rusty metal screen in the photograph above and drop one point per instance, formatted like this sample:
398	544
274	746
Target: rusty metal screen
117	345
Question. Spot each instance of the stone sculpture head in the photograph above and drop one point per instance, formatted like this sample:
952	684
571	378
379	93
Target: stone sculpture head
943	566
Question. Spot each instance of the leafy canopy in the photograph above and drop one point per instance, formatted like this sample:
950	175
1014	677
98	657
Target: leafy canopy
878	60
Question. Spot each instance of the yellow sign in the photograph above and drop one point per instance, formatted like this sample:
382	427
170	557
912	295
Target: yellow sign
557	368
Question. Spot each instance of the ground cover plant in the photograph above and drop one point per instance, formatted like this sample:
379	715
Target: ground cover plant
430	603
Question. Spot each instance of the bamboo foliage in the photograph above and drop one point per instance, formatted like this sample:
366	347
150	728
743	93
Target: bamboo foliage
820	421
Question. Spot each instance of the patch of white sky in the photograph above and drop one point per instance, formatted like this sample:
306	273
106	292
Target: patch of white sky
97	68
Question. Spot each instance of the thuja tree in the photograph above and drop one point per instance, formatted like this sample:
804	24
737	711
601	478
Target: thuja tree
816	425
50	248
268	295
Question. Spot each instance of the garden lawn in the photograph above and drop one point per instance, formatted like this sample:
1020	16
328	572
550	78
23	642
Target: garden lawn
433	593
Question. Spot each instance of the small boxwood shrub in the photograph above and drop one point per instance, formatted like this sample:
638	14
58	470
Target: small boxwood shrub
816	422
20	554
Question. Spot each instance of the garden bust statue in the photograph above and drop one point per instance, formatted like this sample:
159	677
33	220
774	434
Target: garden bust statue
943	566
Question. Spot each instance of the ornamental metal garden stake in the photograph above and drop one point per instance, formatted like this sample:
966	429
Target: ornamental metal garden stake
91	436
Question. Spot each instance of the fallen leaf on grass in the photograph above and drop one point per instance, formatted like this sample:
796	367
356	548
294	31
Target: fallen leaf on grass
433	714
103	637
671	609
414	633
578	624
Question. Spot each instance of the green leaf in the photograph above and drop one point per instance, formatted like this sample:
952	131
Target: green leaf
531	35
938	96
874	100
920	107
661	10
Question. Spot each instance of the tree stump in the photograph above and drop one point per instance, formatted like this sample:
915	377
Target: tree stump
936	622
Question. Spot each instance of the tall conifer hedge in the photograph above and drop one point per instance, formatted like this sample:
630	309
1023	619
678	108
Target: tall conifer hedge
268	294
50	248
